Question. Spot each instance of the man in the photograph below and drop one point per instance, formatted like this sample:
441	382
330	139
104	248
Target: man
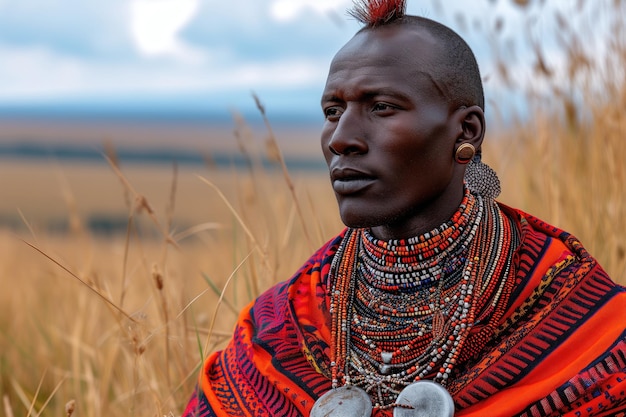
435	297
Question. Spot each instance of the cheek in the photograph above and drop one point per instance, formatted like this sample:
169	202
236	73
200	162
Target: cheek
432	144
324	140
412	148
425	158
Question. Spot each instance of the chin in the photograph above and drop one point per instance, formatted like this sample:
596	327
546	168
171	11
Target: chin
353	221
359	221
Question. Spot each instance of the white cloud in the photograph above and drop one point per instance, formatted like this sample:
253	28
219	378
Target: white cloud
32	74
155	25
288	10
285	73
29	73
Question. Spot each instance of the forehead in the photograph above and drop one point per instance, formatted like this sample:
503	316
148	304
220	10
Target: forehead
399	41
394	54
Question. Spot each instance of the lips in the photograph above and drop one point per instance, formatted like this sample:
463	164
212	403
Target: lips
347	181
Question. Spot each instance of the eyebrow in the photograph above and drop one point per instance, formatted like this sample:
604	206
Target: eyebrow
369	94
385	91
328	97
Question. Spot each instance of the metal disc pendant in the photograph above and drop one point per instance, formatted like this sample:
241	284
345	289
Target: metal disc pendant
427	399
346	401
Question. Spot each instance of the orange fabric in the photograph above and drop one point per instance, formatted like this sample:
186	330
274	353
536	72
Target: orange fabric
554	254
567	360
560	349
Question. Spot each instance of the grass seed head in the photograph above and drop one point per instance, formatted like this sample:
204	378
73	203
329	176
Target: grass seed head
70	406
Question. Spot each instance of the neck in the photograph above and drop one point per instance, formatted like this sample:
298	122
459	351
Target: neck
420	262
422	219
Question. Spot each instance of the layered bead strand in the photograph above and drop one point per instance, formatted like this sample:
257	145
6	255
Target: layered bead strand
341	299
401	310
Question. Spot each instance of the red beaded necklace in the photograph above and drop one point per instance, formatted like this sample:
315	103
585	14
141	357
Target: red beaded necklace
401	310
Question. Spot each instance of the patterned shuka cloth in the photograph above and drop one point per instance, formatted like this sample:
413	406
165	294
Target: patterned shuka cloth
559	350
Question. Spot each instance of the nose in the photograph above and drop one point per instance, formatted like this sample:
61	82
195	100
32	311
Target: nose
348	136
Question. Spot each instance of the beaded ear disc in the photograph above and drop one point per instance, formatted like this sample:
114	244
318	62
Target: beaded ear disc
481	179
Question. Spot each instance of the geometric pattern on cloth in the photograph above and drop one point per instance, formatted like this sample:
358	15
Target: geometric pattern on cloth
560	348
597	390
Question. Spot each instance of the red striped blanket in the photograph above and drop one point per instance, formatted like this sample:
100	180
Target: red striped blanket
560	349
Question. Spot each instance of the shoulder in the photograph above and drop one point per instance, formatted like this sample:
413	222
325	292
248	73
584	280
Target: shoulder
541	240
555	274
291	317
563	332
313	272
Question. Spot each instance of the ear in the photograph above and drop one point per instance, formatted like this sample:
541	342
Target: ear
472	126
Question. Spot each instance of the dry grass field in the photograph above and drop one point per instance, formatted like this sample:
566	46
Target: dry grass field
117	324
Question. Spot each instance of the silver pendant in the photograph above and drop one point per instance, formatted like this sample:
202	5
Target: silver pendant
426	399
346	401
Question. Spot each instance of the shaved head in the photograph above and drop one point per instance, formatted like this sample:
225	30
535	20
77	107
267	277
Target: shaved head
454	63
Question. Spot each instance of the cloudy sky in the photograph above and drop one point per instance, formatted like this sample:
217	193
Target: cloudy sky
204	57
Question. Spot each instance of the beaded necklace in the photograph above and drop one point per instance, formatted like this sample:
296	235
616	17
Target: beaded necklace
401	310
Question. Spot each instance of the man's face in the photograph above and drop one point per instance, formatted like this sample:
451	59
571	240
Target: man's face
388	137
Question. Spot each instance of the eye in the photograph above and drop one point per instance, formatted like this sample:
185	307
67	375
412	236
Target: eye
383	108
333	113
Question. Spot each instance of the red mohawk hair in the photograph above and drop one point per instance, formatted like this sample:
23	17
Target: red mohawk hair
377	12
